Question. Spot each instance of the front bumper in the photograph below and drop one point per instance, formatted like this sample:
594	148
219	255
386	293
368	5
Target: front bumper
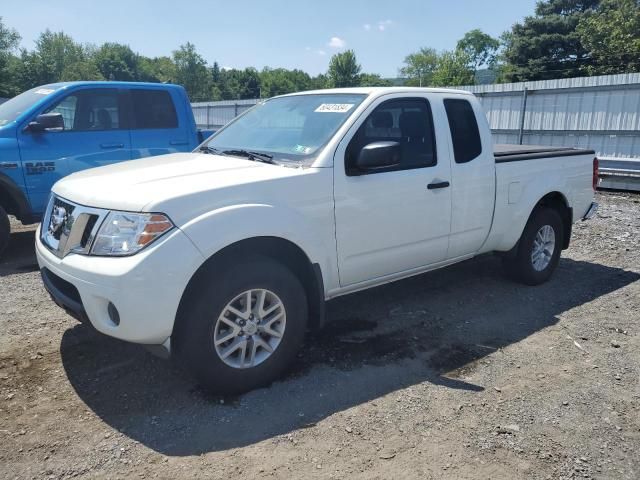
591	211
64	294
145	288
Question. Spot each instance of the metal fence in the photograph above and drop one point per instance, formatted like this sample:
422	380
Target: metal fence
213	115
601	113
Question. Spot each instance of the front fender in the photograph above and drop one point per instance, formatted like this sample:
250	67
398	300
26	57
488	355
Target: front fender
222	227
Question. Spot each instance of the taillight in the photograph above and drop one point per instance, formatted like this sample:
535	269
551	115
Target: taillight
596	177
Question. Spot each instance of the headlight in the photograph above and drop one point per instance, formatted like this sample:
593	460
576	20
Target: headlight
124	233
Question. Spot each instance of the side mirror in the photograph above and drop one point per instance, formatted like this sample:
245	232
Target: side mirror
47	121
378	155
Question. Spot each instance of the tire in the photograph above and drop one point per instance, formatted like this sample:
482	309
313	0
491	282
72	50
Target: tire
5	230
199	325
528	266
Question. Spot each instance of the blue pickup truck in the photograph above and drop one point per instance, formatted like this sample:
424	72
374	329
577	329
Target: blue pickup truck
54	130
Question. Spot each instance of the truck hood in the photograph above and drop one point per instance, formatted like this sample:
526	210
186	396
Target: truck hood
146	184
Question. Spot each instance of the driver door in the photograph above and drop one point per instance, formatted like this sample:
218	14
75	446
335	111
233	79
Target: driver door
95	133
392	220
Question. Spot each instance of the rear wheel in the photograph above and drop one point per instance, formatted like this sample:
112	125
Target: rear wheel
244	325
538	251
5	230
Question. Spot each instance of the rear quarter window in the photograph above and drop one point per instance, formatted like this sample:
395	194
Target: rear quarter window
153	109
463	125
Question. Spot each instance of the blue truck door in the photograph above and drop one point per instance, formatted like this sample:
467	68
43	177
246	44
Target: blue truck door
95	133
155	129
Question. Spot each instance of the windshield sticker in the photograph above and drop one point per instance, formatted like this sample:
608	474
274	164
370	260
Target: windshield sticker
44	91
302	149
334	107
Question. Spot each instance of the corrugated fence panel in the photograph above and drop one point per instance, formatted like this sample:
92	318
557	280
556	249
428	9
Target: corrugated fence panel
601	113
216	114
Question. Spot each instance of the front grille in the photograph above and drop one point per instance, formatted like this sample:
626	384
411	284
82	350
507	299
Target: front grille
68	227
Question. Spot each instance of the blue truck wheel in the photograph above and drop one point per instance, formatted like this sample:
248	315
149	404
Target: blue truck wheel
5	229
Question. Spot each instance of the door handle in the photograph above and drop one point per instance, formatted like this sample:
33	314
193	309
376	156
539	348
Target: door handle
112	145
433	186
178	142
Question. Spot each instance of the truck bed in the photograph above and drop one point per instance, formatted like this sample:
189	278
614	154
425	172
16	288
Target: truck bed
513	153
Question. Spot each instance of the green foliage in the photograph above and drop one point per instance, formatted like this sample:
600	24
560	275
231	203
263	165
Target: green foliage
452	69
9	39
344	70
547	45
115	61
612	35
192	72
158	69
373	80
419	67
278	81
82	70
481	48
428	68
58	51
564	38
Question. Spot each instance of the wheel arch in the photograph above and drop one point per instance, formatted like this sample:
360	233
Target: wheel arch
277	248
13	200
558	202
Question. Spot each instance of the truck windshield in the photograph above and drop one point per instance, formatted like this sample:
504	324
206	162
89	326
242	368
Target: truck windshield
291	128
12	109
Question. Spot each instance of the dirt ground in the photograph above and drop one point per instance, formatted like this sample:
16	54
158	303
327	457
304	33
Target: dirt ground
458	373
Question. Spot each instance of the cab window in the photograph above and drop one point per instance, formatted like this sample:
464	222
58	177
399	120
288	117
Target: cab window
407	121
89	110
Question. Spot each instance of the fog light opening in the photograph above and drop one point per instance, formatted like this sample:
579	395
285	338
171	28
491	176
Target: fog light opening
113	314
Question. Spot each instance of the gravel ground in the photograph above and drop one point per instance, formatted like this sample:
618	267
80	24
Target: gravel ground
458	373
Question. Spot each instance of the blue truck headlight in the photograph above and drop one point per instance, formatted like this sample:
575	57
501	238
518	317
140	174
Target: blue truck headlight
124	233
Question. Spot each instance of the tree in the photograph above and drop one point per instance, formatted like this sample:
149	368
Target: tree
82	70
419	67
319	82
453	68
192	72
250	83
117	62
480	47
56	51
344	70
612	35
9	39
157	69
373	80
547	45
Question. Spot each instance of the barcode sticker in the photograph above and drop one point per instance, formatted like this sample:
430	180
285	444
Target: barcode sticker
334	107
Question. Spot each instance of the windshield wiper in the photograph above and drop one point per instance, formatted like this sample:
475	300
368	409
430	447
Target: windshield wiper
208	149
257	156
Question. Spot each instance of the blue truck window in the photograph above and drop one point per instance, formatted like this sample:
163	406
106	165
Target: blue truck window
89	110
153	109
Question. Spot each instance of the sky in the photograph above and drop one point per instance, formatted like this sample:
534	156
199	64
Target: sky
276	33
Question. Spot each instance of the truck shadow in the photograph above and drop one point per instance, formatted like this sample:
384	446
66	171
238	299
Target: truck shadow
429	329
20	255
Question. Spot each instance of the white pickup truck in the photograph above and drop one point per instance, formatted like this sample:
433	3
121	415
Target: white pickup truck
226	256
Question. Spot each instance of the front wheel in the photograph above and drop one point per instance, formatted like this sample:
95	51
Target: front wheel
243	326
538	251
5	230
